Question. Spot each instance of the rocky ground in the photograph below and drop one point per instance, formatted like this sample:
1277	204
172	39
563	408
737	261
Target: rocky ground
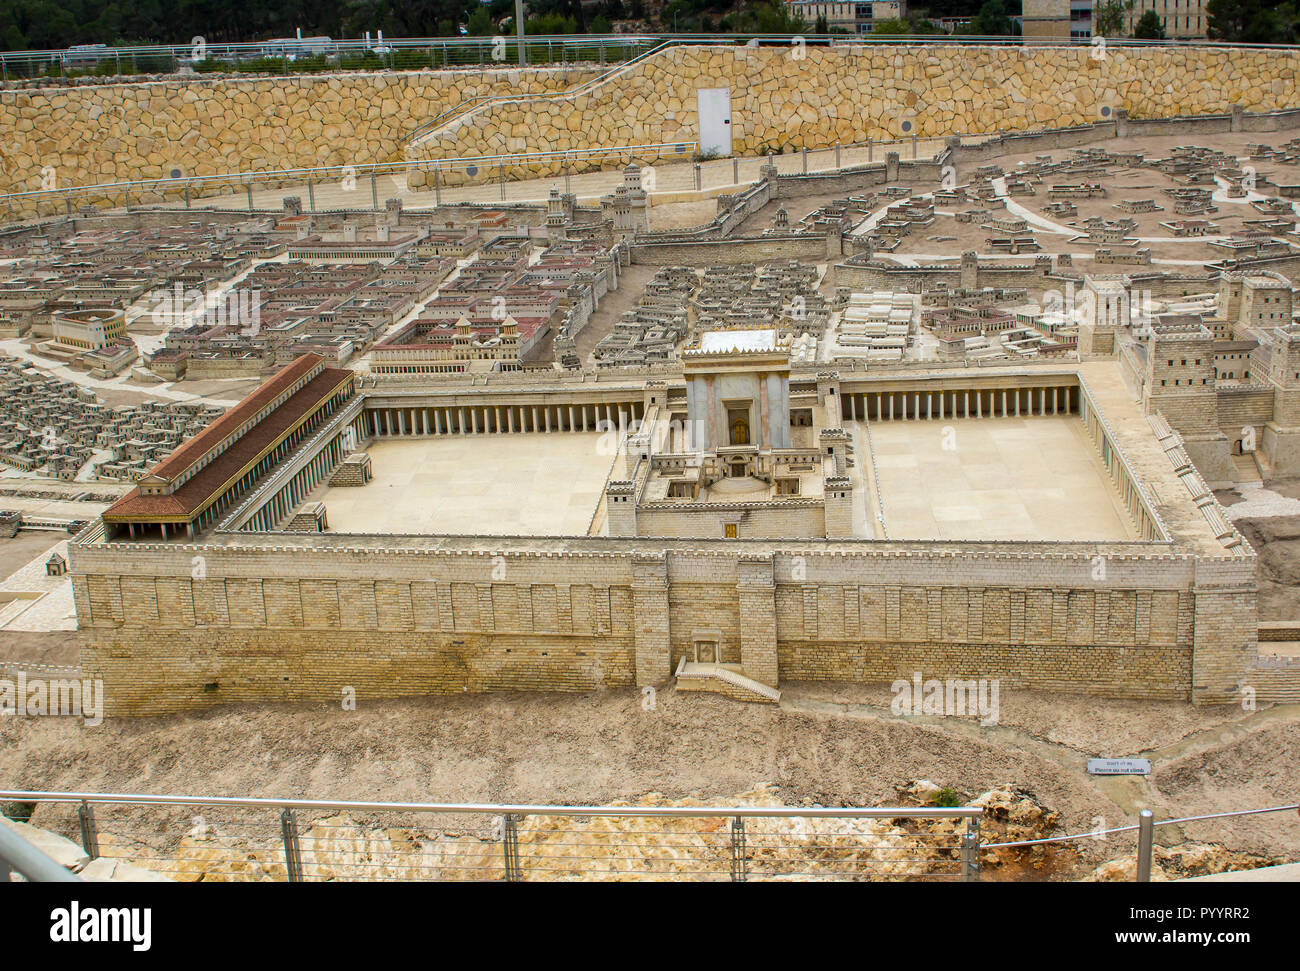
827	744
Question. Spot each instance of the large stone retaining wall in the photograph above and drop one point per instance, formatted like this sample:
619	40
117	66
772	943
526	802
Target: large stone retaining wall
90	134
99	133
780	99
171	627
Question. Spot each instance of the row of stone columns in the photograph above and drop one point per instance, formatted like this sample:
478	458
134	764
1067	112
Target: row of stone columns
236	492
299	487
982	403
212	513
499	419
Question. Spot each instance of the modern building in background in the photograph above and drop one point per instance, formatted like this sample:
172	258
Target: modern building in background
1046	19
839	16
1080	19
853	18
1182	19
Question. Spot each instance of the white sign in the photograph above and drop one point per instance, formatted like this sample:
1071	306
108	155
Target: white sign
1119	767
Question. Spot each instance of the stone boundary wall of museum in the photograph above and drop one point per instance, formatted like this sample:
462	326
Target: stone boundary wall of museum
780	102
170	627
103	133
130	131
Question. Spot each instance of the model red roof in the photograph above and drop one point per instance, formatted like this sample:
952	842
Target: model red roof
189	498
173	465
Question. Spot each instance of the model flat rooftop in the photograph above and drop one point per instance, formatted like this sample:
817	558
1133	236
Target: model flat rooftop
726	341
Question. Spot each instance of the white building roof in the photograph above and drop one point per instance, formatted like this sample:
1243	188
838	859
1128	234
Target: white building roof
725	341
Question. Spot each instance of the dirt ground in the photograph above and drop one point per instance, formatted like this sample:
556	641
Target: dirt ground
1276	541
681	215
827	744
17	551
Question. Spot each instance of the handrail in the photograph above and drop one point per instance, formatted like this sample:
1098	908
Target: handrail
389	50
360	45
524	809
1093	834
447	116
35	865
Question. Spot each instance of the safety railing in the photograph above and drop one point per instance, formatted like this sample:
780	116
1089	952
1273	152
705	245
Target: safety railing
469	104
326	55
17	855
1145	829
191	838
230	838
201	60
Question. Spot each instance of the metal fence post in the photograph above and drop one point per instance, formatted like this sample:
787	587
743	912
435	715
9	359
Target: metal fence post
804	152
837	156
311	196
501	177
970	851
437	187
1146	836
567	173
510	846
374	190
89	837
869	149
739	863
289	833
697	176
735	171
914	146
248	187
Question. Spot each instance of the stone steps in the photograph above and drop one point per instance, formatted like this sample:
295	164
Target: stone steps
723	680
1246	469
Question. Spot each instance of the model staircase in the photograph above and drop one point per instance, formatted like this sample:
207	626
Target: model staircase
724	680
448	121
1246	469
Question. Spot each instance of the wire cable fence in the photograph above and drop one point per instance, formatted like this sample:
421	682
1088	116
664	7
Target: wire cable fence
1145	828
226	839
192	838
317	55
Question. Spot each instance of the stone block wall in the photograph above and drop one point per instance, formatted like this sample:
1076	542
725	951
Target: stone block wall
100	133
779	519
87	134
174	627
790	98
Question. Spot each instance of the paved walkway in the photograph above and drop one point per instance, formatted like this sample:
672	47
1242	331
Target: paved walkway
669	176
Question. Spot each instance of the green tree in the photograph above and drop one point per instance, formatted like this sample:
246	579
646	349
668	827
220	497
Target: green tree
920	25
890	25
1109	17
1149	27
1252	21
992	21
480	23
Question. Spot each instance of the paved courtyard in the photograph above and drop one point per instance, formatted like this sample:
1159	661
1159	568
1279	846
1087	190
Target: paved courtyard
995	479
542	485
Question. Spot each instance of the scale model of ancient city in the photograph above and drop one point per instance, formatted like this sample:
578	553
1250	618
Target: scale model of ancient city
722	395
